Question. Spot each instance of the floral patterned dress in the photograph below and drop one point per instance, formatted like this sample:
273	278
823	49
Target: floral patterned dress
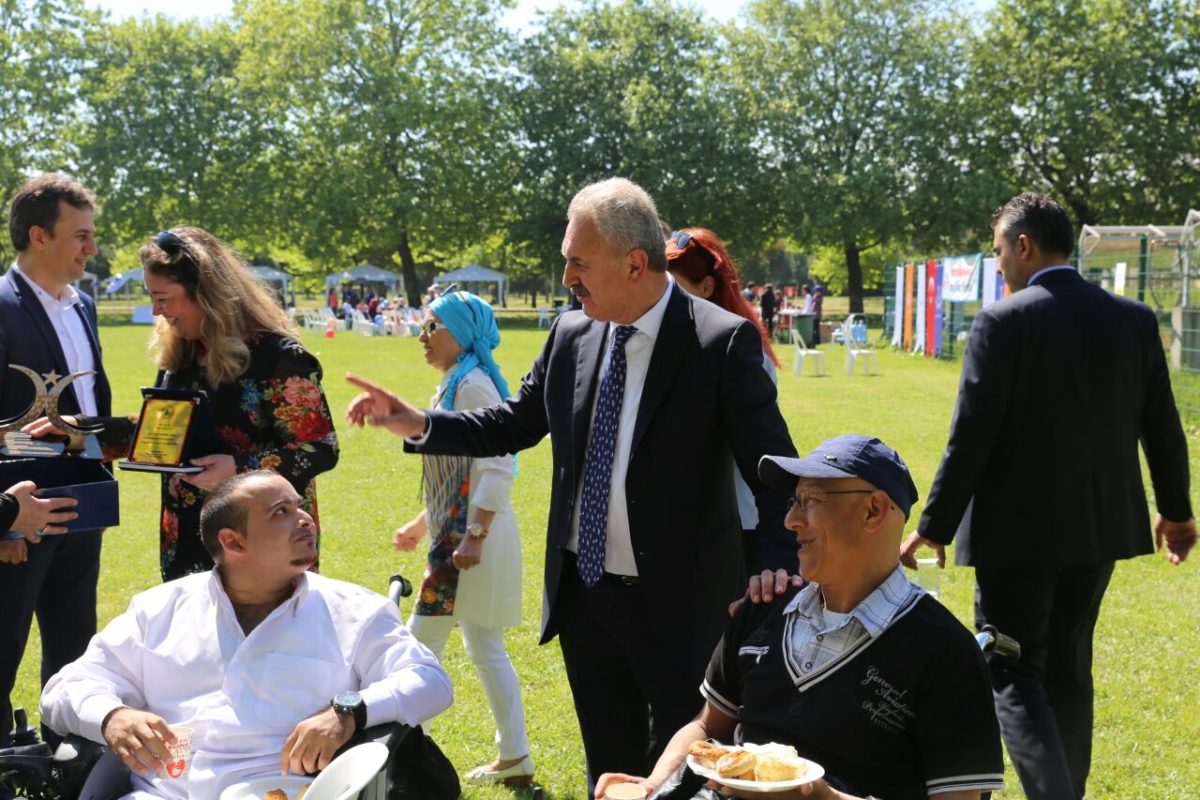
489	594
274	416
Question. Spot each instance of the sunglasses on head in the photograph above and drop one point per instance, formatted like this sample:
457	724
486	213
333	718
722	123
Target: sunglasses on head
173	246
681	239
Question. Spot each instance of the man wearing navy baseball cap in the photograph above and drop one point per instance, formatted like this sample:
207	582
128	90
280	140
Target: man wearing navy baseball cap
859	670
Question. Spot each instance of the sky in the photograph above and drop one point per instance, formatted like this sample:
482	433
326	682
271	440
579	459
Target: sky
517	19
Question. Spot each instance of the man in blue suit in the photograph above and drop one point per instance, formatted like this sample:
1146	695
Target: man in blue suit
1041	481
49	327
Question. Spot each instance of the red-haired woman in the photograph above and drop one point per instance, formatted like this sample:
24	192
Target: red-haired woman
698	261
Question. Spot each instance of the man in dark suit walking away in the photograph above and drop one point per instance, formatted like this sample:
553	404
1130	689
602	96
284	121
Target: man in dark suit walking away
1042	484
649	396
50	328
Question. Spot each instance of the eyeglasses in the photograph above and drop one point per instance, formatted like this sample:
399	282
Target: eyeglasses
809	498
431	327
681	239
173	246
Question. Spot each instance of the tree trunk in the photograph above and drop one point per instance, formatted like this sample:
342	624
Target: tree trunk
408	268
854	277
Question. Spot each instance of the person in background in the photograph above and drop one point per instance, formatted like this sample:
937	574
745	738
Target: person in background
806	293
473	570
218	332
749	293
274	668
769	304
1042	485
699	262
50	328
818	303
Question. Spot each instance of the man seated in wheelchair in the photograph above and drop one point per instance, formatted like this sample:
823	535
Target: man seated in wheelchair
859	670
249	656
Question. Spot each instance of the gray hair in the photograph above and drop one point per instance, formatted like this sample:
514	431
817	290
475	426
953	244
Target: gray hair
624	216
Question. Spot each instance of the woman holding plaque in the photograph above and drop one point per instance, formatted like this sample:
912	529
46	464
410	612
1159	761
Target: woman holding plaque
220	332
473	569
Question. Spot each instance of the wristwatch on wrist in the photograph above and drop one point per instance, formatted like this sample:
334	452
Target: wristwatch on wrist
350	703
476	531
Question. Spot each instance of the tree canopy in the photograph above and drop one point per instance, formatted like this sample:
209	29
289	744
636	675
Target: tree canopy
422	135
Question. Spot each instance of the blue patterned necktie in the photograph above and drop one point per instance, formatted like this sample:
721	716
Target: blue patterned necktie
597	469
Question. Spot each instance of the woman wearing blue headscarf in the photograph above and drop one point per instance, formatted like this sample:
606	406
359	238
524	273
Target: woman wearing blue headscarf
473	575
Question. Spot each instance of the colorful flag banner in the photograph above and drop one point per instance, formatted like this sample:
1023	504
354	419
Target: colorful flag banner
960	281
920	309
898	311
909	305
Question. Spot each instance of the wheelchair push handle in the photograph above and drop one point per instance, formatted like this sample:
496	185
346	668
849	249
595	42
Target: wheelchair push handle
398	587
993	641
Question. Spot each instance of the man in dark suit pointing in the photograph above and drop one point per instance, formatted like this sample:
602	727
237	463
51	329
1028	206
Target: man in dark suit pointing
649	396
1041	481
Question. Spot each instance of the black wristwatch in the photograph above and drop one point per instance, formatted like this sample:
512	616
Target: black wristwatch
350	703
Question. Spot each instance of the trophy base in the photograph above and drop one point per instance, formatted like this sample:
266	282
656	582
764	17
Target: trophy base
142	466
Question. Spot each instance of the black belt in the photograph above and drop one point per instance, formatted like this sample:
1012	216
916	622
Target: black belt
621	580
571	561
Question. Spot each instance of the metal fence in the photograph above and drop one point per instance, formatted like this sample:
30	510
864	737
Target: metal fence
1160	266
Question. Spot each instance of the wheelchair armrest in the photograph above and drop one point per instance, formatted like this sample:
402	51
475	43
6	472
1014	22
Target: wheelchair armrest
74	747
389	734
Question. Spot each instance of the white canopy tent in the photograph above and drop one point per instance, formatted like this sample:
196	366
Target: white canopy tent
278	280
118	282
476	273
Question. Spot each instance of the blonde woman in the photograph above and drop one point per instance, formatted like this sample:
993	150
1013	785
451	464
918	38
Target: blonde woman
220	331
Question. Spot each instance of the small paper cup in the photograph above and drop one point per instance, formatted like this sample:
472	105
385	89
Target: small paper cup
180	760
625	791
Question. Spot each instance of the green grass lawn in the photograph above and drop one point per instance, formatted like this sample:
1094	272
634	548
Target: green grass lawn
1147	644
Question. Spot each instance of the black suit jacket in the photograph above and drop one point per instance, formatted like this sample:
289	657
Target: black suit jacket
1060	381
706	400
27	338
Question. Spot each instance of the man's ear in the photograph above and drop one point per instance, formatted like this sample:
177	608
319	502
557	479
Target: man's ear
636	263
1026	248
878	506
38	236
231	541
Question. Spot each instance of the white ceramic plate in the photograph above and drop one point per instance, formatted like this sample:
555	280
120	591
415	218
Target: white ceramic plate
347	774
257	788
813	772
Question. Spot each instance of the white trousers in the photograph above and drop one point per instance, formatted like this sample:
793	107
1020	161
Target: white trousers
485	648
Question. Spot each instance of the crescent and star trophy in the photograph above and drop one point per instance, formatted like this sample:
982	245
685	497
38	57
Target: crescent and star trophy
71	468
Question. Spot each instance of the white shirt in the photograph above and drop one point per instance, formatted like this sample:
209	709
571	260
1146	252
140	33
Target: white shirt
179	652
618	552
73	337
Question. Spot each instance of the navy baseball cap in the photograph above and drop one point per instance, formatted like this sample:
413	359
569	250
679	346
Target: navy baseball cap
848	456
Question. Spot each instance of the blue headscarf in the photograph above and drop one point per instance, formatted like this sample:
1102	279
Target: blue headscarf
473	325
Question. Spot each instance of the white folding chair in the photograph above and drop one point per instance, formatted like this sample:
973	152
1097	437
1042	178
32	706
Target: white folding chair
858	350
543	318
805	353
